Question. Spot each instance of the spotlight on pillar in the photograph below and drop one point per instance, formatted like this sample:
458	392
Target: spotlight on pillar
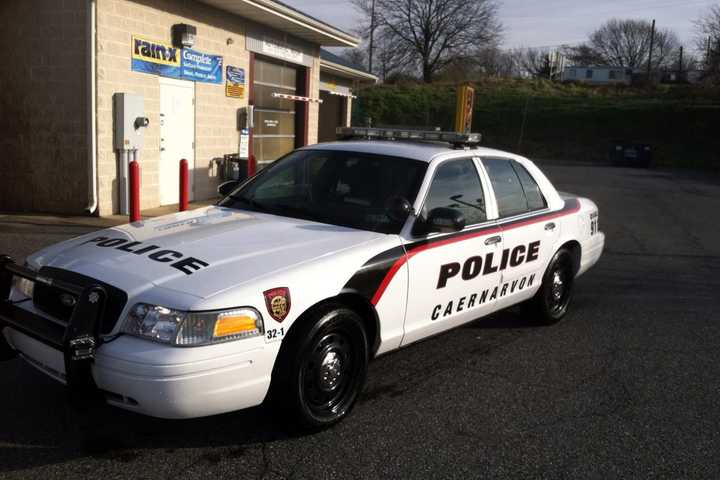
183	35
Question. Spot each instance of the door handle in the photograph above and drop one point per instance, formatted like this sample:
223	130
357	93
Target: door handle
493	240
550	226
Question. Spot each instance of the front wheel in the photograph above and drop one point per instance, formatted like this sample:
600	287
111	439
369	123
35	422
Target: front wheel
551	302
322	369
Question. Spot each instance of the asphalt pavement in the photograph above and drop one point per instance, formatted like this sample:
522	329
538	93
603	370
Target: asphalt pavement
627	386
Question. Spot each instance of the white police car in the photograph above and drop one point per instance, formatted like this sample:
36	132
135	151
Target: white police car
327	258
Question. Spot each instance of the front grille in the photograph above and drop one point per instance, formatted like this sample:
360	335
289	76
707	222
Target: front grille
49	299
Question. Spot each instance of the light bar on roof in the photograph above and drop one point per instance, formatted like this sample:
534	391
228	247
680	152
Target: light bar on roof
372	133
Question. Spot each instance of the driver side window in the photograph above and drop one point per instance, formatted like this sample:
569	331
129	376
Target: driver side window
456	185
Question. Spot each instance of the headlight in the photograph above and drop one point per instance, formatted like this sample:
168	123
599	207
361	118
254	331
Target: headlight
24	286
189	329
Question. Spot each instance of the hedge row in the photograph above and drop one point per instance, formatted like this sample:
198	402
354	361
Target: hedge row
548	120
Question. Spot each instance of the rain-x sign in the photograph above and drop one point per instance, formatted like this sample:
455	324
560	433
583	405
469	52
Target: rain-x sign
157	58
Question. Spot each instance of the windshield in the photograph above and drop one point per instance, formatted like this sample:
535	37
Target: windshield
340	188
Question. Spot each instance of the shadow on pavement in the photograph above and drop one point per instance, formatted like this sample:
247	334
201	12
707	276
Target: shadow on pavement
40	426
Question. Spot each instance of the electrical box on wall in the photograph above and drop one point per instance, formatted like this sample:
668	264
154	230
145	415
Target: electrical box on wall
245	117
130	121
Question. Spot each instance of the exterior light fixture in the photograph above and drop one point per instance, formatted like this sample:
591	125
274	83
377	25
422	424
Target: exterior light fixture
183	35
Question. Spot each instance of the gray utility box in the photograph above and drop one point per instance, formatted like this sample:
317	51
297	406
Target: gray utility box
130	121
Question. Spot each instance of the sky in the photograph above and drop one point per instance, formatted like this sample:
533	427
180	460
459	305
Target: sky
548	23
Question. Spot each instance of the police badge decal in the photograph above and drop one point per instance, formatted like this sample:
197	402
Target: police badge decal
277	301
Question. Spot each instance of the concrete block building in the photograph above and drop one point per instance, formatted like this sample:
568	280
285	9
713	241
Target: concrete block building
197	66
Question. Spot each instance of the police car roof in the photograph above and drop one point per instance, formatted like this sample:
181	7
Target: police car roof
423	151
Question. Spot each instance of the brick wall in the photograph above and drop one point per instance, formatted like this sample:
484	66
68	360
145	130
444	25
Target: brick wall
218	33
43	106
215	114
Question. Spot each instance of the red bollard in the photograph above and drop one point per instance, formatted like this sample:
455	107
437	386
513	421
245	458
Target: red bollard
251	166
134	187
184	185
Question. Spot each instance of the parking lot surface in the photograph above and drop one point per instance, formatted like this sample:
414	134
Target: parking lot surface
628	385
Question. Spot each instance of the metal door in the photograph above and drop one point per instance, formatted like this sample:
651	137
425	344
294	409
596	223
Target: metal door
274	118
177	136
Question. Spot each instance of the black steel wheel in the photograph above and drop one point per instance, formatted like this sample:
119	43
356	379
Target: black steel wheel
551	302
6	351
322	369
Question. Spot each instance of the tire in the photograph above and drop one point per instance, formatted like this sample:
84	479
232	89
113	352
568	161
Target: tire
321	371
6	351
552	300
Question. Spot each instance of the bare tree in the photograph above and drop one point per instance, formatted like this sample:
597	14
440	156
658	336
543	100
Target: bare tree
494	62
356	56
582	55
707	34
707	27
685	63
539	62
626	43
460	69
391	59
434	32
535	62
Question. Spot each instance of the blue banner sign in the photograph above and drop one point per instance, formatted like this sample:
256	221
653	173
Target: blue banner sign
149	56
201	67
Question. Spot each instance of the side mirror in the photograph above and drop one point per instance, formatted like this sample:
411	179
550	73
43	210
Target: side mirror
443	220
398	209
225	188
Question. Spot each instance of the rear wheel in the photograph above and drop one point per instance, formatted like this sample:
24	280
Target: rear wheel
322	369
551	302
6	351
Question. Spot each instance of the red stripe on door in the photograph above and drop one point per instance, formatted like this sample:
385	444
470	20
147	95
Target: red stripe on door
485	231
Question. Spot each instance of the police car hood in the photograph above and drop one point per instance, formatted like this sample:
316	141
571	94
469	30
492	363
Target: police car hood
199	252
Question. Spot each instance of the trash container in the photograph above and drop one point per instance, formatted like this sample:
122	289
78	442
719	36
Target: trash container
631	154
234	167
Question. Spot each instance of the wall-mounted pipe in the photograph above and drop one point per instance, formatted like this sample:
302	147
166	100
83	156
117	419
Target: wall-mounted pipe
91	107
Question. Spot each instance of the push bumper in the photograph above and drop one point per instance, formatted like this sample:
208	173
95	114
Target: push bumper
76	342
132	373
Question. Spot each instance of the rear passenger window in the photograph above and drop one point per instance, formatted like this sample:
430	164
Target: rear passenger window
515	190
508	191
456	185
534	196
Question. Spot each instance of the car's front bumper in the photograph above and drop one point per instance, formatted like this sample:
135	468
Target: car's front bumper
133	373
164	381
